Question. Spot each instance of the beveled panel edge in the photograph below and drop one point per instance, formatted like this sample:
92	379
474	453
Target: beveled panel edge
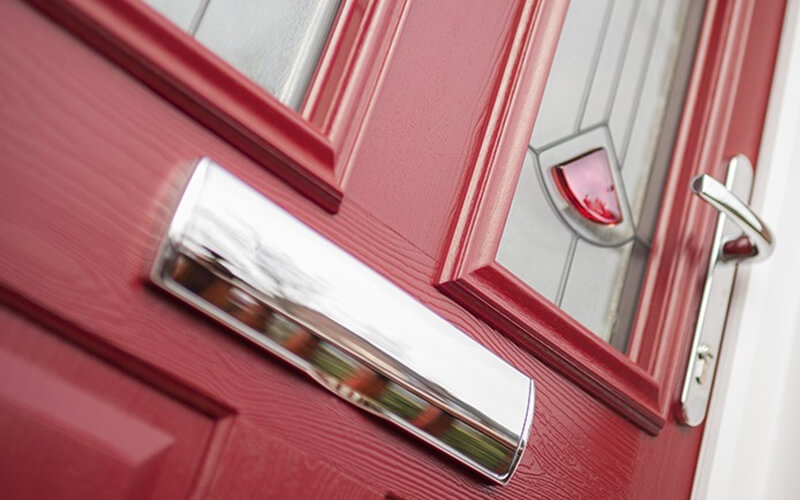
168	384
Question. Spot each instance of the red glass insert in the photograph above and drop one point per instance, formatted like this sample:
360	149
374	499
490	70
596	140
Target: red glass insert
586	182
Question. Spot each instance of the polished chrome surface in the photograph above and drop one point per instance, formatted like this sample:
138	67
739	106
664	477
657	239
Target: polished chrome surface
241	259
734	217
755	230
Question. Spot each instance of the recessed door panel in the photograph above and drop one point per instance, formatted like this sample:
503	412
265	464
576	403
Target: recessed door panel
74	426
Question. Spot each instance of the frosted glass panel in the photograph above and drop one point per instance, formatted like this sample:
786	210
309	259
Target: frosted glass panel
637	63
573	65
594	286
535	243
276	43
180	12
614	92
609	64
637	153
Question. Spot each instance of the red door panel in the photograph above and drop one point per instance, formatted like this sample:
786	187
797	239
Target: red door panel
92	158
75	426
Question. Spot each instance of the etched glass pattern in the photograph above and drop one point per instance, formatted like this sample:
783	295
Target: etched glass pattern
614	93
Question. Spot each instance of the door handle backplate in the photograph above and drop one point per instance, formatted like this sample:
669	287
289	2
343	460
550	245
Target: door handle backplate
739	236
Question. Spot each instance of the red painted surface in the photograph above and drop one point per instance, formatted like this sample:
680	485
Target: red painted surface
75	427
91	160
587	184
309	150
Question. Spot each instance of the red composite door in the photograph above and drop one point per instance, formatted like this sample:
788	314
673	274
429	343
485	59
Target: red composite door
520	167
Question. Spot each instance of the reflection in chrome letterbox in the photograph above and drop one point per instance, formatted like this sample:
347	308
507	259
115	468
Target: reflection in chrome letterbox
254	279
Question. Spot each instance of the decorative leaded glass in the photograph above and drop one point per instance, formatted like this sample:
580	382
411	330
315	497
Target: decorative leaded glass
581	221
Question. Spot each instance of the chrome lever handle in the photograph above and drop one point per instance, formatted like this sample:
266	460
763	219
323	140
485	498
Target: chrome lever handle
757	242
728	248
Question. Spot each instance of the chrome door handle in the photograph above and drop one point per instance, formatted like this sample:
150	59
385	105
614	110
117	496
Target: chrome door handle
756	243
739	236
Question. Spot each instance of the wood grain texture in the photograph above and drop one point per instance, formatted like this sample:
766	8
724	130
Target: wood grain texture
91	161
430	111
271	469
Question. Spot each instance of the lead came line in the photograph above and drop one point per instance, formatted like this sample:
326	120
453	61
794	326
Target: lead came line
198	17
640	86
562	284
621	63
595	62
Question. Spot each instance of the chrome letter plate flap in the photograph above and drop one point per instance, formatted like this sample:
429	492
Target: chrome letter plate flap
241	259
